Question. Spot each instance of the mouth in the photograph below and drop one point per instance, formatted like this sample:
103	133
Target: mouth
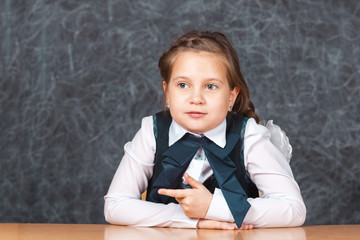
196	114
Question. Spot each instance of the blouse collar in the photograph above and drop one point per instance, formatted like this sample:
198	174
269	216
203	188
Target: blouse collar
217	135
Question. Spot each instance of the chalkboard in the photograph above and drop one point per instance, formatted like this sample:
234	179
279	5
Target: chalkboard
76	77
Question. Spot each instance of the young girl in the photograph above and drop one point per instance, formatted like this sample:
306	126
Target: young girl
204	160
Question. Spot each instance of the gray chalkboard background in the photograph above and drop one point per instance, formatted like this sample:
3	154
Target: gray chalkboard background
76	77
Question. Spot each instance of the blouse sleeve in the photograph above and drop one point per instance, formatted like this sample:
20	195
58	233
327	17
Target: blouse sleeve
122	202
281	203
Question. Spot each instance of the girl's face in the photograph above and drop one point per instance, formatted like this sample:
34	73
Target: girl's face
198	93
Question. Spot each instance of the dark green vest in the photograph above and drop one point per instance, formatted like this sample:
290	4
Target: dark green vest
235	124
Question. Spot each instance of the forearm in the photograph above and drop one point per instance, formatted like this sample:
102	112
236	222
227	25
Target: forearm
134	212
264	212
122	202
275	212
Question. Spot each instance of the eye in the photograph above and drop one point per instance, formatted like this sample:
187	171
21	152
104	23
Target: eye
211	86
183	85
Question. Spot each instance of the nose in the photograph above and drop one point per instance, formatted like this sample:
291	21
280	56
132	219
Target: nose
197	97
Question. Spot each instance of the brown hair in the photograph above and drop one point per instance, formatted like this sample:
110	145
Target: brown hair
212	42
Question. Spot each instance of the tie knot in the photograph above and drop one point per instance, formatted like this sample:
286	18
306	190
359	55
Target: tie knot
201	140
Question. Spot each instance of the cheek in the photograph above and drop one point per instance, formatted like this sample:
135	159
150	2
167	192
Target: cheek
173	99
176	96
169	94
226	99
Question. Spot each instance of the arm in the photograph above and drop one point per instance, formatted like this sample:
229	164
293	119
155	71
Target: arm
281	204
122	202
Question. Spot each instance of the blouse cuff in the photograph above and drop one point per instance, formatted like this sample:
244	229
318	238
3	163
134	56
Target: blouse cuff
218	209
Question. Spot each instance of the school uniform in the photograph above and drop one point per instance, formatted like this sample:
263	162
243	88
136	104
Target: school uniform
281	203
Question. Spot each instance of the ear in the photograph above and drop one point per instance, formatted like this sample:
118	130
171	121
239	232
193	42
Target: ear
165	92
233	94
164	86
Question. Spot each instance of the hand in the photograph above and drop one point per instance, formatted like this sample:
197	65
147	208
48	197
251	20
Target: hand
213	224
195	202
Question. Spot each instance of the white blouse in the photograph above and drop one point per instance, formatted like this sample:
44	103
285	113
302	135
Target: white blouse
280	205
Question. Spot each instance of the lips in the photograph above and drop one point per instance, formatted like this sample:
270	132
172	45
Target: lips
196	114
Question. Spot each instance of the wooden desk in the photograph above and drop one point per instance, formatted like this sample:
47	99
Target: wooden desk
17	231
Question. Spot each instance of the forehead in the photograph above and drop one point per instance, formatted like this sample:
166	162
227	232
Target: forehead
195	53
199	61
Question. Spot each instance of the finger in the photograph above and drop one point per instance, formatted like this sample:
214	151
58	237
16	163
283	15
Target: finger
176	193
213	224
192	182
246	226
227	226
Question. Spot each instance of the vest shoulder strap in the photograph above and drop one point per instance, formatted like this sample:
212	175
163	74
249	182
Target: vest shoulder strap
162	121
237	124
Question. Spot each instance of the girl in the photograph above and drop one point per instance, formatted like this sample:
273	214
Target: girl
204	160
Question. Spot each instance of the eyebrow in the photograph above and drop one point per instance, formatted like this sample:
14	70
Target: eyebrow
206	79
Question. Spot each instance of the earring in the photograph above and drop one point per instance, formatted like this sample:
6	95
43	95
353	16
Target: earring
230	108
167	105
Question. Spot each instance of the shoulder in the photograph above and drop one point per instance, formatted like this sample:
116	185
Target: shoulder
143	146
255	130
273	133
145	136
247	126
147	123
